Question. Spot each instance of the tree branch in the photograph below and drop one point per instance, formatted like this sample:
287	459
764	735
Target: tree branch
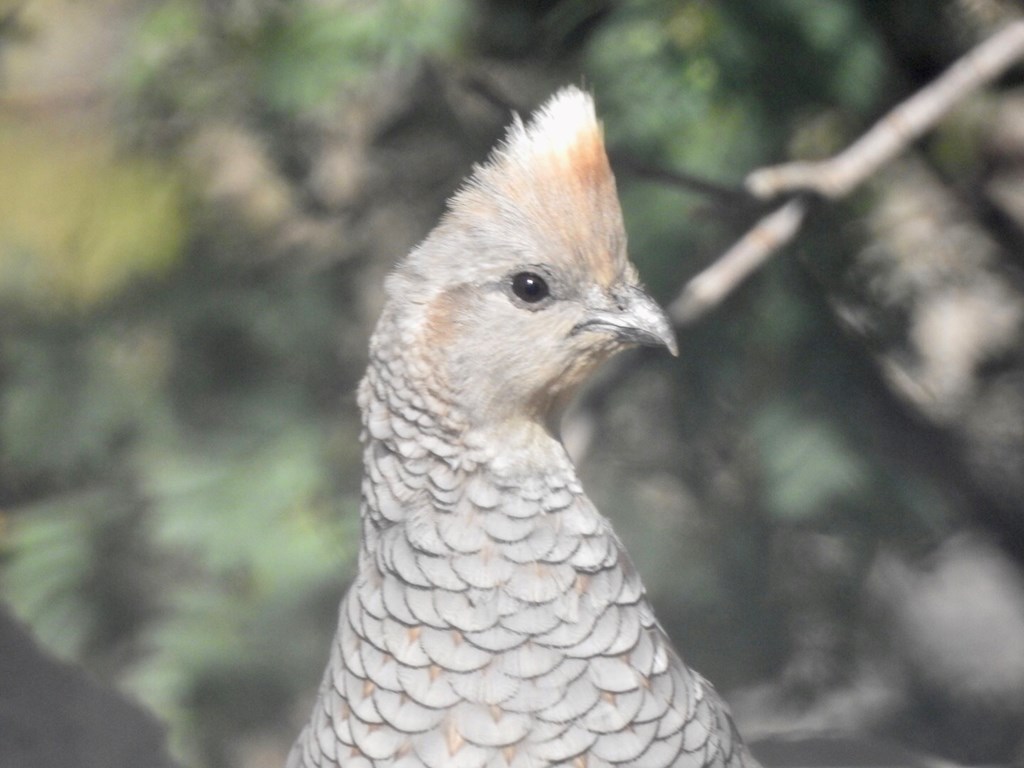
713	284
626	164
838	176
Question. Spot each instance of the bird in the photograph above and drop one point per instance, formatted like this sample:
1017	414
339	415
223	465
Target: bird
495	618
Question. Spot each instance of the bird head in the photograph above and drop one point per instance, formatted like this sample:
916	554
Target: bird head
525	285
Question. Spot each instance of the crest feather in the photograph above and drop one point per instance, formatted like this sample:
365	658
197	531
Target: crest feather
564	126
549	186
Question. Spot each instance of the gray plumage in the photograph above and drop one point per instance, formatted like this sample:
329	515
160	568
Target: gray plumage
495	619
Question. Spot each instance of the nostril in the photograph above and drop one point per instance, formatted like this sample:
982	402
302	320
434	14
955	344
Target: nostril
622	298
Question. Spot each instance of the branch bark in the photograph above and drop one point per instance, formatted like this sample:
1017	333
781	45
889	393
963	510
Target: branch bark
712	285
836	177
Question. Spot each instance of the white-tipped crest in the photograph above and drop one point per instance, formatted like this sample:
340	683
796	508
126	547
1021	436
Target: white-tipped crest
559	127
548	189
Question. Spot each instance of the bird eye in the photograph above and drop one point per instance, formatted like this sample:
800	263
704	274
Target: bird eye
530	287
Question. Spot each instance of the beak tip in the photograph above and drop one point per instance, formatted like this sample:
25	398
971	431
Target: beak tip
668	339
637	320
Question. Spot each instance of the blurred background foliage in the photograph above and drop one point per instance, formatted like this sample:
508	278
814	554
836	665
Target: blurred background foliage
199	200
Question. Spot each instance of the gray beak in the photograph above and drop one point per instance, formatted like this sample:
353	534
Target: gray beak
635	318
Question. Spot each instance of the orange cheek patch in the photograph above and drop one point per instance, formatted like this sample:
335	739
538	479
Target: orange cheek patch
440	327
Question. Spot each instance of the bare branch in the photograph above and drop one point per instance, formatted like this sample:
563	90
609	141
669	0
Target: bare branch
626	164
713	284
839	175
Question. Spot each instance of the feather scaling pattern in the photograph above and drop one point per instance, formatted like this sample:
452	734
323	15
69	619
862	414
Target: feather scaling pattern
496	619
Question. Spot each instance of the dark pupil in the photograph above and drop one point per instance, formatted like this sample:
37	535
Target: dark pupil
529	286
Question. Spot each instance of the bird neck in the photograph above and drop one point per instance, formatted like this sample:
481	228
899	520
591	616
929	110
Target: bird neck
420	452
